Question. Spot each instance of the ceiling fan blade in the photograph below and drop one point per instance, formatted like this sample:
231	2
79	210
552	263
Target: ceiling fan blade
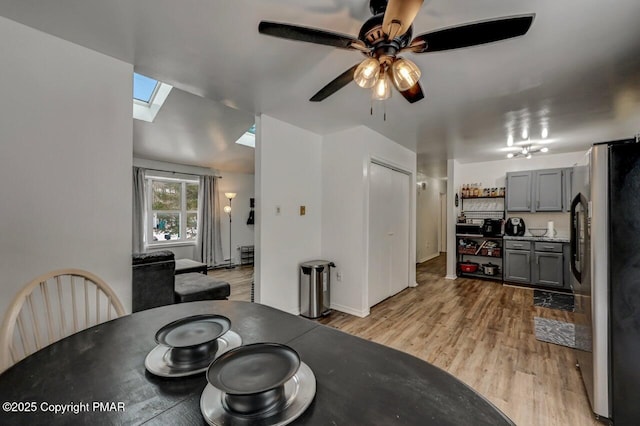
337	84
472	34
412	94
399	16
310	35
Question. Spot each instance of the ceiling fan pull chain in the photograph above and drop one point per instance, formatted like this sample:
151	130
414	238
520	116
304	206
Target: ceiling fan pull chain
384	106
371	111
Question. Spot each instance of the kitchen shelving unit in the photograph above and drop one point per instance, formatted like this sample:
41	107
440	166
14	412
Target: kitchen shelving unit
246	255
481	253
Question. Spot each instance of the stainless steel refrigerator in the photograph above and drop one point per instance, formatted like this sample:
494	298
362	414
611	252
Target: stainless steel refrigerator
605	269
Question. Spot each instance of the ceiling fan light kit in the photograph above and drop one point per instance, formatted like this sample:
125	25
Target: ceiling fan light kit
367	73
390	32
405	73
382	88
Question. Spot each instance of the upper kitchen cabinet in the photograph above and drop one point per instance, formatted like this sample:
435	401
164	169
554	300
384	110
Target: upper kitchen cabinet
547	190
537	190
567	187
519	191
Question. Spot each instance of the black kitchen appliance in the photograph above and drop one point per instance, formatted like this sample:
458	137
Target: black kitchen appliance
515	227
492	228
468	229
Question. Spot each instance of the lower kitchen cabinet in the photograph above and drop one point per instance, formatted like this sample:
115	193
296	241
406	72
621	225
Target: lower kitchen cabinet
517	266
541	264
548	269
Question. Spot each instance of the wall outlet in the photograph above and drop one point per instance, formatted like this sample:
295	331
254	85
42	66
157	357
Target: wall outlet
339	276
303	210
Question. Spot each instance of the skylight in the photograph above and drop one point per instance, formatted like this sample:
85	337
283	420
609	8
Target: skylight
143	87
148	97
248	138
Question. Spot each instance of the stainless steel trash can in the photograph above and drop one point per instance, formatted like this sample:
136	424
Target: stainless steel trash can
315	277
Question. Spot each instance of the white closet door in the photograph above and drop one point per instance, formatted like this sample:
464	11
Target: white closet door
379	247
389	203
399	223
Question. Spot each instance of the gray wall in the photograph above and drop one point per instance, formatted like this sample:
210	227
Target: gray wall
65	161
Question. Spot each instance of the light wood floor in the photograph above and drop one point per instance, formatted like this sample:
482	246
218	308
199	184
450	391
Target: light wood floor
239	278
482	333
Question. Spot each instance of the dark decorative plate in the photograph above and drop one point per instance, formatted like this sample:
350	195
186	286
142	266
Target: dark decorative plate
188	345
253	369
299	392
193	331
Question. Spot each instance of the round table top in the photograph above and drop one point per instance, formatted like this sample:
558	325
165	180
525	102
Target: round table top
98	376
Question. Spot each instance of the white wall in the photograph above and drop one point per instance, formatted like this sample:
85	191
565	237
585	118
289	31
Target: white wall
493	174
427	218
288	175
65	161
241	234
346	157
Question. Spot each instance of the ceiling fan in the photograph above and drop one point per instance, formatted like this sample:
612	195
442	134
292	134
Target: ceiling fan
389	33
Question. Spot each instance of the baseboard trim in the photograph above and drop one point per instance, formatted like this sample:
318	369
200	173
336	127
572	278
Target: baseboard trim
428	257
450	277
350	311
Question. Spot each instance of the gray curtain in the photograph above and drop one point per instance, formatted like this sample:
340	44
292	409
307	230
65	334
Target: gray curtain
209	240
138	210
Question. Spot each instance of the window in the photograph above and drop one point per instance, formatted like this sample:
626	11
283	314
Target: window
173	213
248	138
148	97
143	88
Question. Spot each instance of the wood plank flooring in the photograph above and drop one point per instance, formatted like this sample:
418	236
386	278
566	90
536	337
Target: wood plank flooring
479	331
239	278
482	333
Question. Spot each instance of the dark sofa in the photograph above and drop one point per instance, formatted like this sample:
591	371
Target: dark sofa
155	284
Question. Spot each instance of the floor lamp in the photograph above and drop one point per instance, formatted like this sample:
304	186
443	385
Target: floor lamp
227	209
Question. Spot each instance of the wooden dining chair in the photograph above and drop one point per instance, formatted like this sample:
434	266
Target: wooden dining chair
51	307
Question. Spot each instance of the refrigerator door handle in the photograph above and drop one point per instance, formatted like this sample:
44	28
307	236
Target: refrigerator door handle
575	255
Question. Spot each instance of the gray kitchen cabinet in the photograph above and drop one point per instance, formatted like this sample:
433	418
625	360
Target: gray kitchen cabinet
539	263
547	269
566	251
567	187
519	191
536	191
517	266
547	190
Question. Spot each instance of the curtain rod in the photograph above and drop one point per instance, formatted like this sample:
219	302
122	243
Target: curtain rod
174	172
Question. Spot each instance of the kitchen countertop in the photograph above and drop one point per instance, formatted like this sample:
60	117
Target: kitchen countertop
532	238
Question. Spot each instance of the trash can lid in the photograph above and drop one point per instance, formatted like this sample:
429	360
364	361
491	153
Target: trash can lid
317	264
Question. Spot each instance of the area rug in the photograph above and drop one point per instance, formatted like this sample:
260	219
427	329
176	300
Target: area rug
561	333
549	299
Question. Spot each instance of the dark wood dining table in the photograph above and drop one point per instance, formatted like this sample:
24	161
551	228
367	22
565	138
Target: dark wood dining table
358	382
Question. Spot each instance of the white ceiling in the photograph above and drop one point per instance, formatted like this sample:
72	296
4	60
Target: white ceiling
578	69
